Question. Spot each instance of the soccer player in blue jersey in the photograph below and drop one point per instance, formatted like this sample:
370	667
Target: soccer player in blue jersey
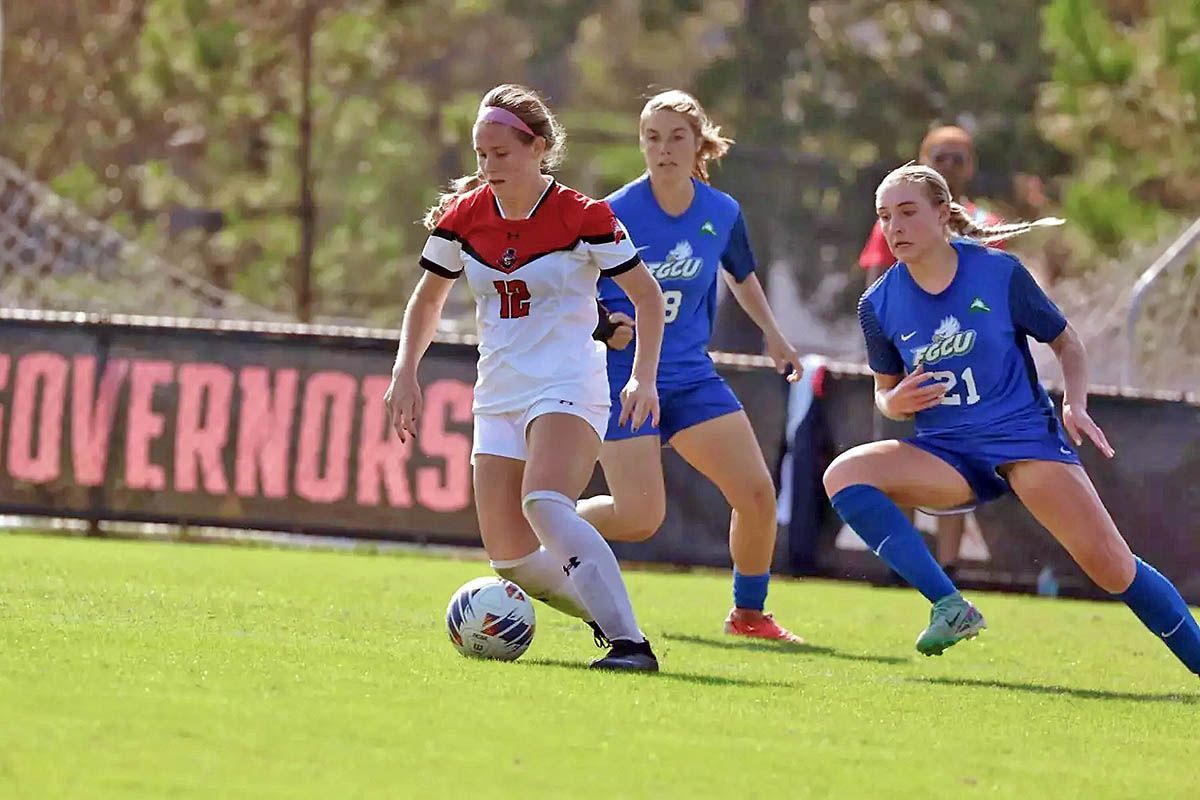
688	233
947	331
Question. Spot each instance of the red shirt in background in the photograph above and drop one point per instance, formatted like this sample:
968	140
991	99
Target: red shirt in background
876	253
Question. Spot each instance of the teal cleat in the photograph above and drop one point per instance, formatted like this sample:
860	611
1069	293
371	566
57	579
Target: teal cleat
951	620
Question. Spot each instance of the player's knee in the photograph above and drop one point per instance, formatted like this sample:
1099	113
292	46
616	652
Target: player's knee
756	499
840	474
1112	572
643	520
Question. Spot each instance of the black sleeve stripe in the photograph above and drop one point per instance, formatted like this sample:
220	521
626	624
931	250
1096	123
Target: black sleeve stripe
602	238
438	269
621	269
445	233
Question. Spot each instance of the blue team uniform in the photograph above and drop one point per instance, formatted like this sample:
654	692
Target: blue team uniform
973	336
683	253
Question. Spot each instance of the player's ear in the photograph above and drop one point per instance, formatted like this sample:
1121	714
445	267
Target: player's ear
539	147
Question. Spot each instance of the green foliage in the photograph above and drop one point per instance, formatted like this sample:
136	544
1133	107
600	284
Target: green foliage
1125	104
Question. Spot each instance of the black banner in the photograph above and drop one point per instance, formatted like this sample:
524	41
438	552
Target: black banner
284	428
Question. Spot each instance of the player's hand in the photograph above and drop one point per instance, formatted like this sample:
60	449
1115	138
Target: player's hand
785	357
916	392
623	334
1079	423
403	399
639	402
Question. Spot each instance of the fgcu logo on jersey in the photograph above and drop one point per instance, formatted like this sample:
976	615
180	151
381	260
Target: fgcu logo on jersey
679	263
949	340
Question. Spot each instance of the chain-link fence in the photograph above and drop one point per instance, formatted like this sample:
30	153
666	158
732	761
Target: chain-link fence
54	256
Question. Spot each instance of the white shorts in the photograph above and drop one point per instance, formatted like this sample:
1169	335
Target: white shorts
504	434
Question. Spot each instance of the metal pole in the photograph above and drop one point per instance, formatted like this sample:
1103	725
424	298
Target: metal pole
1176	253
307	210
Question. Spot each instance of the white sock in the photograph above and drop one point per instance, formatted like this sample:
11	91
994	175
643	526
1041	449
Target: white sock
586	559
541	576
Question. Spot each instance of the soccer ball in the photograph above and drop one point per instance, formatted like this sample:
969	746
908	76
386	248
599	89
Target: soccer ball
490	618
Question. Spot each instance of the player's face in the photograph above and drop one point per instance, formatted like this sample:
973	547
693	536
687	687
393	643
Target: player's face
911	223
955	163
668	145
504	158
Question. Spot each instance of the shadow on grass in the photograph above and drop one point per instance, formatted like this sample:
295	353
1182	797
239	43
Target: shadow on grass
1064	691
669	674
783	647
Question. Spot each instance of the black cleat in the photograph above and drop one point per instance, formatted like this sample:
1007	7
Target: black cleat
598	636
628	655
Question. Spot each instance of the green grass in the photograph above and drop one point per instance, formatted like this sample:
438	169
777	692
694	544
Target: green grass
140	669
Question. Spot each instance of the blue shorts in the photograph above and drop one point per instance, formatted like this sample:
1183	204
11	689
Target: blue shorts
680	407
977	459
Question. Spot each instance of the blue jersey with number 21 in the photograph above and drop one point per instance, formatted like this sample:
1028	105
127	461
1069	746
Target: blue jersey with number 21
973	336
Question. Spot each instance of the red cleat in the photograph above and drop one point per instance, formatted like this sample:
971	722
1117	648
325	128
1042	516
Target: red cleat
757	625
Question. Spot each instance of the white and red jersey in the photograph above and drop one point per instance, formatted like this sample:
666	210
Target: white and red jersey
534	281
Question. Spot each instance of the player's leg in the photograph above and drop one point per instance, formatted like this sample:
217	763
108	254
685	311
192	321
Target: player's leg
635	509
498	458
562	450
867	486
1063	499
725	450
950	530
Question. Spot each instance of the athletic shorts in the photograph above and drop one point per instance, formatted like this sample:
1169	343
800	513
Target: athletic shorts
978	459
504	434
680	407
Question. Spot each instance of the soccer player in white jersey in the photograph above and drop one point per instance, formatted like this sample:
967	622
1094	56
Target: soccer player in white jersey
532	251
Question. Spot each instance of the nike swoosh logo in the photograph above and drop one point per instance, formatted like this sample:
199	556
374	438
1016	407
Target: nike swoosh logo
904	338
957	619
1065	451
1177	627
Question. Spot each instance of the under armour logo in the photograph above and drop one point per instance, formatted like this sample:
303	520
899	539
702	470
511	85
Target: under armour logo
512	236
571	564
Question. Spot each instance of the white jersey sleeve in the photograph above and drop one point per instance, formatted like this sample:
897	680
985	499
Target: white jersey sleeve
607	242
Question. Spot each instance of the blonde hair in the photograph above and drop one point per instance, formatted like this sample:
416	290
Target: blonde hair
533	111
961	223
713	146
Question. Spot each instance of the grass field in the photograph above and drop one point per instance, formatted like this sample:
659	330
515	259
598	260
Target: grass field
141	669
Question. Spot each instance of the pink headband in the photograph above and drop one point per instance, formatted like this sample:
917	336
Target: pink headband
503	116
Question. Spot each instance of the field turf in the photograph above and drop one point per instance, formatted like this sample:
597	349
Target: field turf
147	669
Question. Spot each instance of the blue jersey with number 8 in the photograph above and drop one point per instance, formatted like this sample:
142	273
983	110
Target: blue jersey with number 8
973	336
683	253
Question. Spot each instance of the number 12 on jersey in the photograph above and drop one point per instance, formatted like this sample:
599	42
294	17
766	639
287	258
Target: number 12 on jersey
514	298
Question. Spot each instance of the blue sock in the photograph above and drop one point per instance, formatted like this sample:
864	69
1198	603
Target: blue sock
1157	603
750	591
885	529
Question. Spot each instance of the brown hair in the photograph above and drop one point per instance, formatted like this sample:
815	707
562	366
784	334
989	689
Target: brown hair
960	224
712	144
533	111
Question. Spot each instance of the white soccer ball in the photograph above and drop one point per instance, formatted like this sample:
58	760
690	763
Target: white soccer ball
490	618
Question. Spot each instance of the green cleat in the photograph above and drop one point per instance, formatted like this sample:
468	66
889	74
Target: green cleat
951	620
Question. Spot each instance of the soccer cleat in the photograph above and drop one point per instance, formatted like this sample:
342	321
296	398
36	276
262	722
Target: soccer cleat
952	619
598	635
757	625
628	655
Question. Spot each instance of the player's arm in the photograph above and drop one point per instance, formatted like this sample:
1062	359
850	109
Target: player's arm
403	396
897	396
753	300
737	266
640	397
1036	315
615	330
1072	358
901	397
